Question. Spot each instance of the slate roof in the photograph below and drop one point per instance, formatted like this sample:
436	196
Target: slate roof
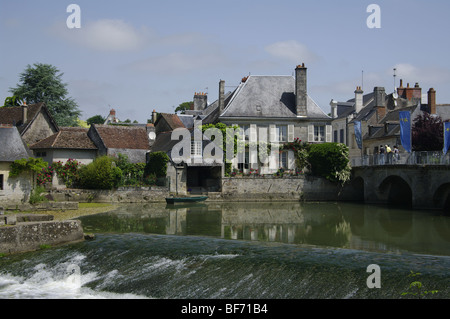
268	97
126	137
67	138
12	146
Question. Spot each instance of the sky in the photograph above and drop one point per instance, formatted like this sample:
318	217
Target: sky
138	56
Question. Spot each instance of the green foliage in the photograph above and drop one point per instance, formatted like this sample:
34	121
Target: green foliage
183	107
36	195
416	288
301	151
96	119
330	160
31	165
156	165
13	101
102	173
68	172
226	138
43	83
132	173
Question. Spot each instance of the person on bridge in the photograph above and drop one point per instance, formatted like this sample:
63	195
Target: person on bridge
382	154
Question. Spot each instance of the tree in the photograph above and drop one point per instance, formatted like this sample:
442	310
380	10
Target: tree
427	133
96	119
13	101
184	106
43	83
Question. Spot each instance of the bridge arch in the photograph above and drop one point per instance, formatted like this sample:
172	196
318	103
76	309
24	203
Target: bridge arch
394	190
441	198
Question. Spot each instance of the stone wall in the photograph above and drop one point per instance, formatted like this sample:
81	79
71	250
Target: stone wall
121	195
305	188
29	236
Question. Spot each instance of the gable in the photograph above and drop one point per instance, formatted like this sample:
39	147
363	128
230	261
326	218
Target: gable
38	124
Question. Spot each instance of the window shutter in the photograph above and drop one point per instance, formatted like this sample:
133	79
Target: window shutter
272	133
310	133
328	134
291	160
252	136
290	133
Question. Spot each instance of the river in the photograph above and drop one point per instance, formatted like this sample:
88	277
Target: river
284	250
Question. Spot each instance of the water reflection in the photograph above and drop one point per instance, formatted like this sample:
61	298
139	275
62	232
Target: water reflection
343	225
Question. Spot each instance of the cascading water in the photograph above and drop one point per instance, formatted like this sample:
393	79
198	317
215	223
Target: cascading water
289	251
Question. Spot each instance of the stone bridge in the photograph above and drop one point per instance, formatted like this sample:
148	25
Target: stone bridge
412	186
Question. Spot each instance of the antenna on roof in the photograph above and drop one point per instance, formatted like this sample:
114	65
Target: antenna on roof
362	80
395	88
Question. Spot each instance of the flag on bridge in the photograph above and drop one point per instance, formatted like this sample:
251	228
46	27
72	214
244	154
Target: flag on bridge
405	130
446	136
358	134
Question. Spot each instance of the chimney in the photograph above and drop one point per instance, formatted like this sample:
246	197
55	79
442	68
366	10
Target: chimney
221	96
432	101
200	101
358	99
413	95
333	105
380	100
154	116
301	96
24	113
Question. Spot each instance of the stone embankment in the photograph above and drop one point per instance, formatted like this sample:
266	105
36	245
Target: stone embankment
28	232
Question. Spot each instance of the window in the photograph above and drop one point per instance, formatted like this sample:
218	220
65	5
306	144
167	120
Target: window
319	133
282	133
342	136
246	164
196	148
284	160
246	131
1	182
335	139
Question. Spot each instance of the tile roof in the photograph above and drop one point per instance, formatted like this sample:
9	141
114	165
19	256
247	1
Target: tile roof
126	137
13	115
172	120
67	138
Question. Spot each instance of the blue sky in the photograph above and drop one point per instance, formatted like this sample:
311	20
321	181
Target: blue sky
136	56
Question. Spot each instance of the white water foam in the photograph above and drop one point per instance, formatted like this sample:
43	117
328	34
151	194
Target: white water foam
64	281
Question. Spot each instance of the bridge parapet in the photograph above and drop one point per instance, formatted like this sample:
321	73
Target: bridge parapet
414	158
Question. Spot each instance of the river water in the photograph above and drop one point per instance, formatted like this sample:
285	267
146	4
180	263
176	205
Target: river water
241	250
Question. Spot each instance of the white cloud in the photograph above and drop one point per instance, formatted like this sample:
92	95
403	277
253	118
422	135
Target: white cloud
292	51
178	62
106	35
424	74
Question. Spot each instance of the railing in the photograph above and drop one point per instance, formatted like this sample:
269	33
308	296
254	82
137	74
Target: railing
414	158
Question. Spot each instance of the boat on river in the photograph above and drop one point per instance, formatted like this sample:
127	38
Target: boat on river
187	199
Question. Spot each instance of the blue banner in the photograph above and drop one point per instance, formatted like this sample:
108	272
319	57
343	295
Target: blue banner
358	134
446	136
405	130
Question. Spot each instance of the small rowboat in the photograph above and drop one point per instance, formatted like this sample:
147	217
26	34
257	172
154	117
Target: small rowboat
190	199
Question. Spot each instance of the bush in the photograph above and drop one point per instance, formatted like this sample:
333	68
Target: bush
330	160
157	164
102	173
36	195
